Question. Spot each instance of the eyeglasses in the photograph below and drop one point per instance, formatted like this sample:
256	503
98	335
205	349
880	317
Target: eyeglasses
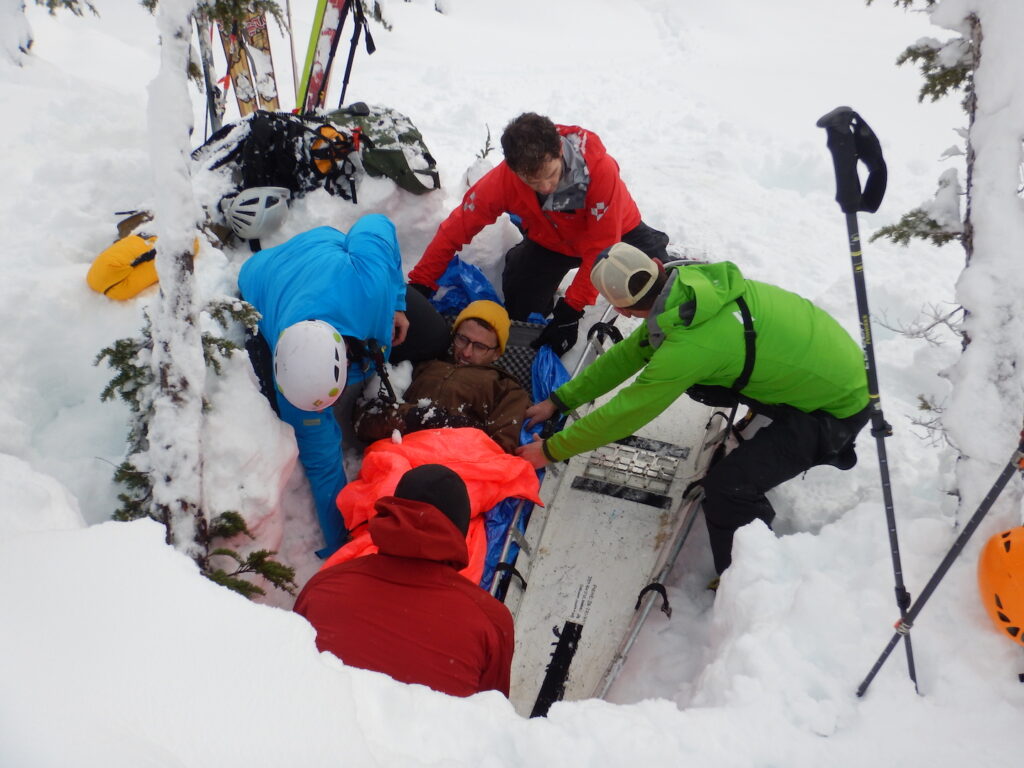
478	346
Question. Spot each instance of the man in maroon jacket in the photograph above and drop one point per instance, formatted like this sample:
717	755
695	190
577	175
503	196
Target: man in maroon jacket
406	611
563	190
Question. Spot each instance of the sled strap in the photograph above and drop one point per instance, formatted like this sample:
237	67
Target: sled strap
603	330
552	689
749	337
511	570
654	586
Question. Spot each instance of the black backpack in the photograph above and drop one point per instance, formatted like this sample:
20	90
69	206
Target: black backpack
278	149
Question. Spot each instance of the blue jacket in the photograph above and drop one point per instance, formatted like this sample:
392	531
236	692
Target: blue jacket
353	282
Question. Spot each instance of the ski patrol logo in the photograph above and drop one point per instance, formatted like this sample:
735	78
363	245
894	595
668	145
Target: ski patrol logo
598	211
470	204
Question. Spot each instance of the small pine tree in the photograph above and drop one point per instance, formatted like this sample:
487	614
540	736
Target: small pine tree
133	382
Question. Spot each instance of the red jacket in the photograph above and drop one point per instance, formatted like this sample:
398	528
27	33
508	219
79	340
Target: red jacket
608	213
490	474
407	612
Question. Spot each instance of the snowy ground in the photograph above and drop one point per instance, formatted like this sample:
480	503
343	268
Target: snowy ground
115	652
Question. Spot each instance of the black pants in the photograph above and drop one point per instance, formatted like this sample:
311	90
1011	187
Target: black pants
429	335
734	489
533	273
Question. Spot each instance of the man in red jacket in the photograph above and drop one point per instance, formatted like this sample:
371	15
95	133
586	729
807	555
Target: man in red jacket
406	611
563	191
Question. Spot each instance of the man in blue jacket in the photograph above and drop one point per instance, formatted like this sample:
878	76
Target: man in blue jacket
328	301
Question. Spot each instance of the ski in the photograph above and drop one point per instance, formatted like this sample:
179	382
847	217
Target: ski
323	43
214	95
238	70
257	42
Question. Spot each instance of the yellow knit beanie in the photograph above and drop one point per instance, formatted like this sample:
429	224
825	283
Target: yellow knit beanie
491	313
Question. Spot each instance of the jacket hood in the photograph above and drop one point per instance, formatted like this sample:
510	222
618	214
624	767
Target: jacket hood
698	292
406	528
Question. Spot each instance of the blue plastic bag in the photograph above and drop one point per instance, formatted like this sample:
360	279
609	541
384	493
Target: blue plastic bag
466	284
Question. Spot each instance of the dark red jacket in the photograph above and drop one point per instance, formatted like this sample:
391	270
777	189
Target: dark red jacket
407	612
608	212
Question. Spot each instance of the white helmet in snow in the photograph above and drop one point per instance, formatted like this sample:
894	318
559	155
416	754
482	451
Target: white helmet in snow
256	211
310	365
624	274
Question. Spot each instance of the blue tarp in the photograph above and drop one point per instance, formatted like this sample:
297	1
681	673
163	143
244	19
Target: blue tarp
546	375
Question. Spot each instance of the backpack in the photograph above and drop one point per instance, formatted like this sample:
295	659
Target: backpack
390	145
278	149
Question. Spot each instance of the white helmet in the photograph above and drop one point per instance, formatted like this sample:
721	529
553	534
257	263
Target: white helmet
310	365
254	212
623	274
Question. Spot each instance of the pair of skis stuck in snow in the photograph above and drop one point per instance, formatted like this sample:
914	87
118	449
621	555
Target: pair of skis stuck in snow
246	45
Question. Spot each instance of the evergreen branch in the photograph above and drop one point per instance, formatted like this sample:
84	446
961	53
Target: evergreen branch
916	224
227	525
488	147
228	12
75	6
243	587
941	77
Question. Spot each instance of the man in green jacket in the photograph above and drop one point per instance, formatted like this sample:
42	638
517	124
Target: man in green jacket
721	339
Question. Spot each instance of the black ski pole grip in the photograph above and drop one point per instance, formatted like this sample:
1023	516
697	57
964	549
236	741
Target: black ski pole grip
850	140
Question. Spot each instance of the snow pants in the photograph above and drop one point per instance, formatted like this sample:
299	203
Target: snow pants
734	488
532	273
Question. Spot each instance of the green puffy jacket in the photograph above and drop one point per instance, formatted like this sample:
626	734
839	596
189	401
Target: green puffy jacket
804	358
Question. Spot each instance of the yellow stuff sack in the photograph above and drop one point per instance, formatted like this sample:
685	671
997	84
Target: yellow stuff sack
124	269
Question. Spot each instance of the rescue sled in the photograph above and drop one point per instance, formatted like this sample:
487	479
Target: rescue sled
592	560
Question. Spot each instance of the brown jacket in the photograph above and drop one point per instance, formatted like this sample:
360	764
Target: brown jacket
443	394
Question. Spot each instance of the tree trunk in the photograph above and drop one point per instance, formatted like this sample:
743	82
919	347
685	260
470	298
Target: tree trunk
987	401
178	366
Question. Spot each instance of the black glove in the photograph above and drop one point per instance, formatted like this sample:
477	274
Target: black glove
423	290
562	330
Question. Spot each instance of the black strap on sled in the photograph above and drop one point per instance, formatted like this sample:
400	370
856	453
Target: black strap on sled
511	570
654	586
605	330
552	689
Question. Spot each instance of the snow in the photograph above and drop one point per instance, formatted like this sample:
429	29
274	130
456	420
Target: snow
115	651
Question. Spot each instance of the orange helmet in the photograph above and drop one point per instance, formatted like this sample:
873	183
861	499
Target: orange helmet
1001	581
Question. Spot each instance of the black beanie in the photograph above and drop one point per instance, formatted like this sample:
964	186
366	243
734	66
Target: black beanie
437	485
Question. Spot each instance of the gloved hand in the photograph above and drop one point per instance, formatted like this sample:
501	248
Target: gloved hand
423	290
562	330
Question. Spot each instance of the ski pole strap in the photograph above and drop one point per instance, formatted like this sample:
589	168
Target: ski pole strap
851	139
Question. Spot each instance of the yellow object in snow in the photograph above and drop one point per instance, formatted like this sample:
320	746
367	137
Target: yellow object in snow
124	269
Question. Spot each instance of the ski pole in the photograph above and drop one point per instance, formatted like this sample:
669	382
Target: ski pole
291	46
851	139
321	95
1015	464
360	24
